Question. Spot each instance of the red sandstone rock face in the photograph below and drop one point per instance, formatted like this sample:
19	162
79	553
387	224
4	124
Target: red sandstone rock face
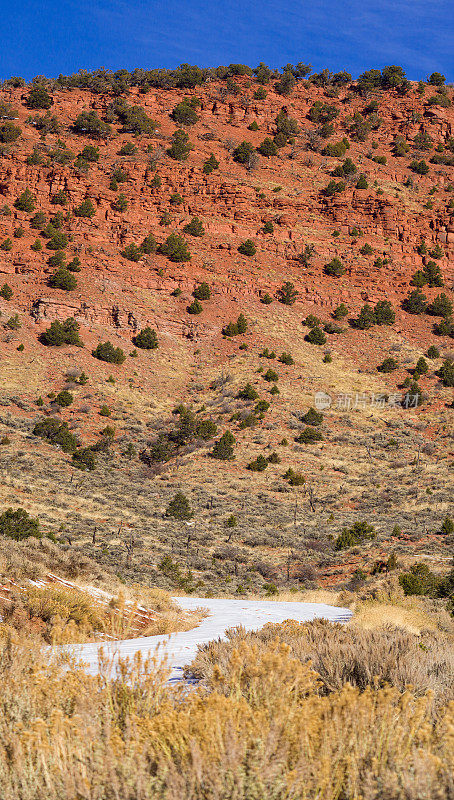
233	203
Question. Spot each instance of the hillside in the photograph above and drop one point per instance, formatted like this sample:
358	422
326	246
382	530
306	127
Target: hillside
350	199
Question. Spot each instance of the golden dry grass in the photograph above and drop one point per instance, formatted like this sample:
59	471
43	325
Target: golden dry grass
265	728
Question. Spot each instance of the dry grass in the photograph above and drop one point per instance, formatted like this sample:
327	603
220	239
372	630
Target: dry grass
267	728
346	655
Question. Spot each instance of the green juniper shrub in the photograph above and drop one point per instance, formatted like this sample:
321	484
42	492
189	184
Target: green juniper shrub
57	260
74	265
261	407
132	252
61	333
58	241
420	167
415	303
205	429
366	318
436	79
446	372
243	152
287	294
357	534
340	312
362	182
247	248
274	458
146	339
413	396
433	273
6	245
258	465
247	393
63	279
39	220
294	478
104	411
156	182
202	291
56	433
120	175
127	149
260	94
18	524
333	188
87	123
312	417
419	279
315	336
9	132
274	390
39	97
384	313
86	209
335	149
418	581
309	436
176	199
6	292
25	202
267	148
89	153
267	353
37	245
223	448
194	227
311	321
271	376
180	146
286	84
235	328
195	307
433	352
253	126
444	328
347	168
59	198
447	528
266	299
120	203
422	366
84	458
388	365
441	306
175	248
64	398
210	164
366	250
149	245
334	268
286	358
437	251
105	351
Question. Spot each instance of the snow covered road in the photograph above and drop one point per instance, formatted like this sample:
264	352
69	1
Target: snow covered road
180	648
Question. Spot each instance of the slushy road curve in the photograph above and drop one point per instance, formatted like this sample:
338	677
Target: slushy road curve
180	648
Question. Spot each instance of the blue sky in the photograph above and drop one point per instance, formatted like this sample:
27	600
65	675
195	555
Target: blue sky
49	37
